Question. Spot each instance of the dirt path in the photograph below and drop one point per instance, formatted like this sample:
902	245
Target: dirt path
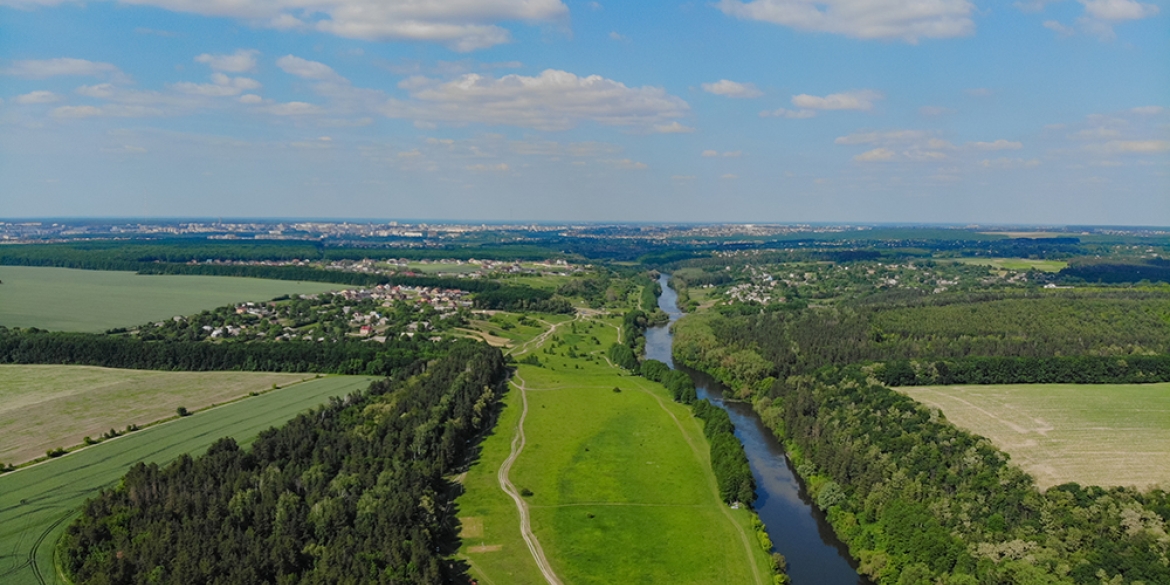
510	489
711	482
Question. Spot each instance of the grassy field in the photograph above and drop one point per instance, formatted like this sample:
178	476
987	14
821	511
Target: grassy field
38	502
1106	435
63	299
45	407
1018	264
620	482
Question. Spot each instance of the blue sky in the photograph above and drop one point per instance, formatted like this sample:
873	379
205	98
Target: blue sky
1037	111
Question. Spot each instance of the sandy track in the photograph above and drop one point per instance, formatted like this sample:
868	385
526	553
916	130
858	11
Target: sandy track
522	506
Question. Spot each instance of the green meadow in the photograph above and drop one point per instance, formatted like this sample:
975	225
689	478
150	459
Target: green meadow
64	299
38	502
46	407
1018	264
619	484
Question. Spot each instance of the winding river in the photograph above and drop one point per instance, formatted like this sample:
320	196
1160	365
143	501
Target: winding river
797	528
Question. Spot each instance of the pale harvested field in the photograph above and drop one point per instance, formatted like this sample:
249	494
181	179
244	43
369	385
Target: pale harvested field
44	407
1099	434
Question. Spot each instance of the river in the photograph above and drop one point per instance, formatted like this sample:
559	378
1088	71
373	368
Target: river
797	528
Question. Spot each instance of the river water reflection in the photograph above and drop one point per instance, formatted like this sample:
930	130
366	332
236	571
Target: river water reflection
797	528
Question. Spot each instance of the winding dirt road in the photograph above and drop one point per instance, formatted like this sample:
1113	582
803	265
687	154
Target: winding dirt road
510	489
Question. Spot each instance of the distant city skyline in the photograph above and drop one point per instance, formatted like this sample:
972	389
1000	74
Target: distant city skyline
757	111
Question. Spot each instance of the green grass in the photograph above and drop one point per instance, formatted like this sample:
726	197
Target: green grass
621	481
38	502
1017	264
1092	434
46	407
62	299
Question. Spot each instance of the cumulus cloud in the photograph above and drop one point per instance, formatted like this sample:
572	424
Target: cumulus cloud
459	24
251	98
553	100
1118	9
37	97
1000	144
790	114
876	155
481	168
43	68
306	69
629	165
241	61
710	153
1147	110
905	20
1009	163
221	86
1135	146
294	109
673	128
76	112
851	100
732	89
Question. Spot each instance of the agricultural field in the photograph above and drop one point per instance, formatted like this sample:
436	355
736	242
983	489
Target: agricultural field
1100	434
1018	264
64	299
615	485
38	502
46	407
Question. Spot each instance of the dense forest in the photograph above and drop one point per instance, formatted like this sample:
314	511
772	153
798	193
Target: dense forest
918	500
352	492
1112	336
31	346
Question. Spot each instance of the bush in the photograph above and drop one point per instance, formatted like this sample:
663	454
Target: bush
182	411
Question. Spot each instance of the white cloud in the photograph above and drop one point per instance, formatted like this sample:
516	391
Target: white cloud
1009	163
673	128
893	136
978	92
616	36
876	155
715	153
1118	9
251	98
628	164
462	25
1147	110
732	89
306	69
221	86
76	112
790	114
1136	146
906	20
729	176
683	177
1000	144
851	100
37	97
43	68
733	154
1062	30
488	168
241	61
710	153
553	100
294	109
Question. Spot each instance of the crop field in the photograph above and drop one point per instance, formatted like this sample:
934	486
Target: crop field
616	484
1106	434
38	502
63	299
1017	263
46	407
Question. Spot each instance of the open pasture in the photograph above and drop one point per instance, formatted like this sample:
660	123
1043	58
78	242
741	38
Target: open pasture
64	299
38	502
1018	264
1092	434
619	485
45	407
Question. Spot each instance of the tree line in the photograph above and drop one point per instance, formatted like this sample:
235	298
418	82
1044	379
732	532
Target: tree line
352	492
